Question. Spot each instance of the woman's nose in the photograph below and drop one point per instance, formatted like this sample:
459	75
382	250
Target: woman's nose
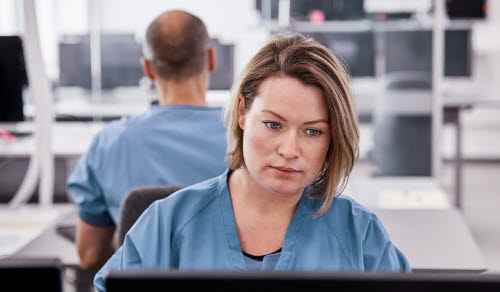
289	147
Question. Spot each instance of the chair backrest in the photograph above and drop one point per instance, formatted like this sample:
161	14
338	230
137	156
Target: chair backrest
138	200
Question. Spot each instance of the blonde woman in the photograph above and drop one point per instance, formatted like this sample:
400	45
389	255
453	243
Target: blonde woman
293	140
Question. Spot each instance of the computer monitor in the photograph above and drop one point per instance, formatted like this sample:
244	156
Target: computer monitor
410	51
297	281
222	77
355	49
12	79
331	9
36	274
120	61
466	9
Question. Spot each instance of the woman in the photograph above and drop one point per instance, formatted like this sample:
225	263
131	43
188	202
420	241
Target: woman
293	140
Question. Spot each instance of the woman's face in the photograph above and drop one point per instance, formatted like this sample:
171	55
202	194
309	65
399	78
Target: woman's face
286	135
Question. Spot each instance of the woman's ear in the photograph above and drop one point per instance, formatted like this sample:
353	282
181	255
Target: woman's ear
241	112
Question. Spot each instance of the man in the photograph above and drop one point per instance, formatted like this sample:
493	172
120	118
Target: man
181	141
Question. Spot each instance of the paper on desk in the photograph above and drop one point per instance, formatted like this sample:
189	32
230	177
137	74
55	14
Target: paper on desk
414	199
20	226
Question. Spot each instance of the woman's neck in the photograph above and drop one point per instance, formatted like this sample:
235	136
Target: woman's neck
262	217
262	203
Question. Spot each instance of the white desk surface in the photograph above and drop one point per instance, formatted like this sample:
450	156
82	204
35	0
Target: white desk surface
398	192
70	139
49	244
433	240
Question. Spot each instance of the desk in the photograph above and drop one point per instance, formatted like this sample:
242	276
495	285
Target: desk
433	240
70	139
430	232
52	245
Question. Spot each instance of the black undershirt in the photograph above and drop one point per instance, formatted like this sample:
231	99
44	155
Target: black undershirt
259	258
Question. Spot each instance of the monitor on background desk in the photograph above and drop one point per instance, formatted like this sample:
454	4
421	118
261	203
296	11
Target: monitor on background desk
120	62
411	51
296	281
355	49
222	77
13	78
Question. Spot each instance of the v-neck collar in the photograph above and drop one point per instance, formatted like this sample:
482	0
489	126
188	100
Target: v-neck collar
233	239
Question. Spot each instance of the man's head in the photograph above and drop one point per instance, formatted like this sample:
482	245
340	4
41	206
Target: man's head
177	47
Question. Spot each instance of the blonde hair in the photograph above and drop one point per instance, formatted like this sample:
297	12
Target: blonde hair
313	64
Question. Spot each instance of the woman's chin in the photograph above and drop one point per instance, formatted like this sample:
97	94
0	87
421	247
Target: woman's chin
285	189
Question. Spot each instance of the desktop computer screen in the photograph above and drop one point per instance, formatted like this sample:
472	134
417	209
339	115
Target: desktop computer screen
355	49
331	9
411	51
13	79
120	62
222	77
296	281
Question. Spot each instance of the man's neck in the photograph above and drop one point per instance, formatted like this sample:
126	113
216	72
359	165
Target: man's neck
188	92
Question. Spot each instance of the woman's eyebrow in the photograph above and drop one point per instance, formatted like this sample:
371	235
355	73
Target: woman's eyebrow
275	114
306	123
317	121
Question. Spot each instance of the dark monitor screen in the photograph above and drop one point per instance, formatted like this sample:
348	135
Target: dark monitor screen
301	9
355	49
12	79
331	9
120	61
412	51
222	77
466	9
31	275
296	281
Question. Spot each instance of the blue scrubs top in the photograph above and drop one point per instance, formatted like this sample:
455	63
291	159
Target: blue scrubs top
195	228
166	145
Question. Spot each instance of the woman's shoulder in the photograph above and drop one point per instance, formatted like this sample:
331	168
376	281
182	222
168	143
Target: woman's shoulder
344	205
348	218
190	199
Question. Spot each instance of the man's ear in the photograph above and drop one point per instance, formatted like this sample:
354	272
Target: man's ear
147	68
241	112
212	59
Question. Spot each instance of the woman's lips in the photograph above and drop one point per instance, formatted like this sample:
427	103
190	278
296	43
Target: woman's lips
285	171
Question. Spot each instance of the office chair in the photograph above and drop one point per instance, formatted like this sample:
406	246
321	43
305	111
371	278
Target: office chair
136	202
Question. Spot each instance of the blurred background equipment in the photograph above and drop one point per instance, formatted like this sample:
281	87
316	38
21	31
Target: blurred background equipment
12	79
120	61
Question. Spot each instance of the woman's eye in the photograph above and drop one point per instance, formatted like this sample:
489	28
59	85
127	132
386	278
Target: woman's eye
272	125
313	132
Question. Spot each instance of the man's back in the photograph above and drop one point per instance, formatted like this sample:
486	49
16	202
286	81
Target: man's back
175	144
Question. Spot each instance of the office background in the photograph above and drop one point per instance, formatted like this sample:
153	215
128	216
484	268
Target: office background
375	57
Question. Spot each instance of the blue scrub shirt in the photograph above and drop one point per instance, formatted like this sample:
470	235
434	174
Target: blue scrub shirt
166	145
195	228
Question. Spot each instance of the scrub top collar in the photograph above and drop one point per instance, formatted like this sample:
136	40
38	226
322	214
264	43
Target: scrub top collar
232	237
